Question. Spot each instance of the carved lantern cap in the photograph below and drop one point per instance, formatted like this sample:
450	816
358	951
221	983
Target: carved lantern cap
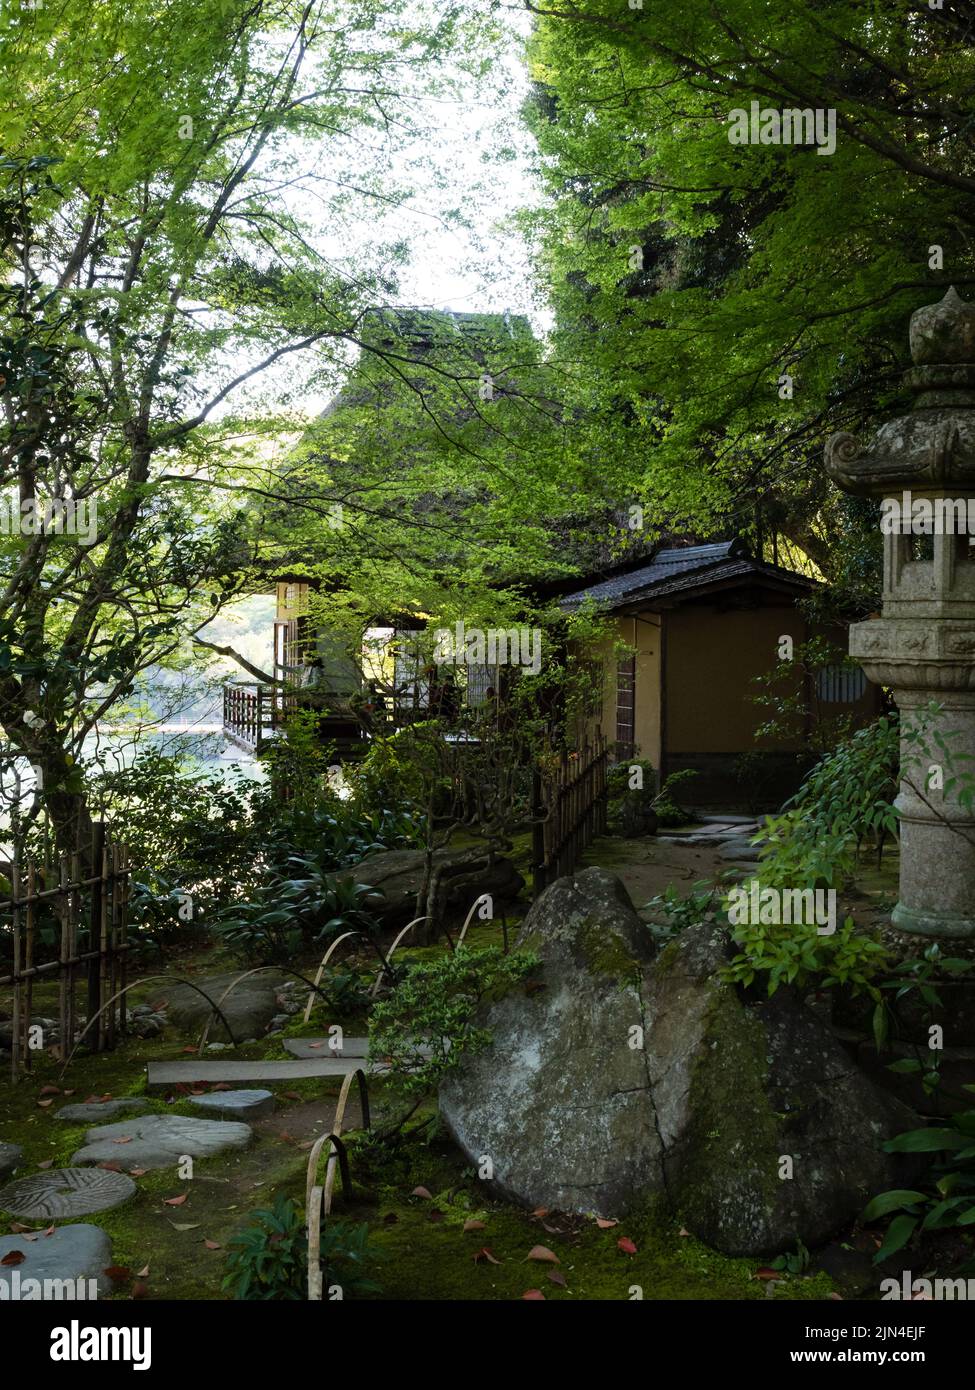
932	450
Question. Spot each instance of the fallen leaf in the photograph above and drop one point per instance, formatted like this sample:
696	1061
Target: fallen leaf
473	1225
125	1139
189	1049
422	1192
604	1223
626	1245
534	1295
49	1091
185	1226
212	1245
140	1290
557	1277
45	1103
68	1093
766	1273
17	1228
138	1172
542	1253
313	1045
484	1254
49	1232
290	1095
119	1274
111	1165
220	1086
16	1257
31	1237
837	1296
143	1273
47	1163
540	1212
175	1201
683	1232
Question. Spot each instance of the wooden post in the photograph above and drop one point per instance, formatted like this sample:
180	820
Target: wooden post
538	835
15	919
96	966
31	927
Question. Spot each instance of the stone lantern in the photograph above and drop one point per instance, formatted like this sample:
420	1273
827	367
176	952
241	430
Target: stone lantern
922	467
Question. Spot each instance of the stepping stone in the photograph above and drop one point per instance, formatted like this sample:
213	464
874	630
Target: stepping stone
321	1047
729	820
10	1156
87	1112
160	1141
237	1105
163	1076
79	1252
65	1192
740	850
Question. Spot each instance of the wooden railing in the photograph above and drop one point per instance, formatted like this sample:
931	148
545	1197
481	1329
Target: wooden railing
569	811
70	924
250	712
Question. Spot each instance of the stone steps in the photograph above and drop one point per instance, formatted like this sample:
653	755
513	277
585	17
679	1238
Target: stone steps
164	1075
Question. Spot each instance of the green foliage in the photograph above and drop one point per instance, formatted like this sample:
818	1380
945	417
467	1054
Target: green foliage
432	1008
949	1202
269	1258
784	694
680	911
797	955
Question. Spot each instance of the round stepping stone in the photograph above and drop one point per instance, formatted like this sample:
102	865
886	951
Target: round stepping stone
65	1192
237	1105
10	1156
69	1252
87	1112
160	1141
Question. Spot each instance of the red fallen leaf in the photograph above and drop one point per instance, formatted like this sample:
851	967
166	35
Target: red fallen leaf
49	1232
605	1223
175	1201
91	1100
197	1093
211	1245
390	1219
422	1192
143	1273
626	1245
45	1103
106	1096
68	1093
125	1139
16	1257
766	1273
285	1137
290	1095
119	1274
189	1049
534	1295
314	1045
47	1163
542	1253
434	1214
220	1086
473	1225
162	1004
540	1212
140	1290
557	1277
484	1254
837	1296
111	1165
49	1091
138	1172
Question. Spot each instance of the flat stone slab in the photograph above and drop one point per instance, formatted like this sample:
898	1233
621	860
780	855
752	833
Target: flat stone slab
164	1075
64	1192
729	820
740	850
79	1252
10	1157
235	1105
321	1047
160	1141
90	1111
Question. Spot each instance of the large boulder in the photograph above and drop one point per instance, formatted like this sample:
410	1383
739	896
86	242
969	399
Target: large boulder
630	1079
248	1009
398	875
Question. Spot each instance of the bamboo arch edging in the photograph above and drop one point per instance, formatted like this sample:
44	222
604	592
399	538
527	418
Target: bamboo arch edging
318	1196
389	954
282	969
146	979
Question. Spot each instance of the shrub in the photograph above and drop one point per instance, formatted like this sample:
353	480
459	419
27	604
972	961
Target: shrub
269	1258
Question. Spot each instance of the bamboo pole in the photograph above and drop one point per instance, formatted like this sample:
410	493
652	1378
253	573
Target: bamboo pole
29	962
15	920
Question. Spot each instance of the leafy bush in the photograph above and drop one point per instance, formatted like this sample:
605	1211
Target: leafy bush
800	957
287	912
269	1258
431	1010
951	1203
680	912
